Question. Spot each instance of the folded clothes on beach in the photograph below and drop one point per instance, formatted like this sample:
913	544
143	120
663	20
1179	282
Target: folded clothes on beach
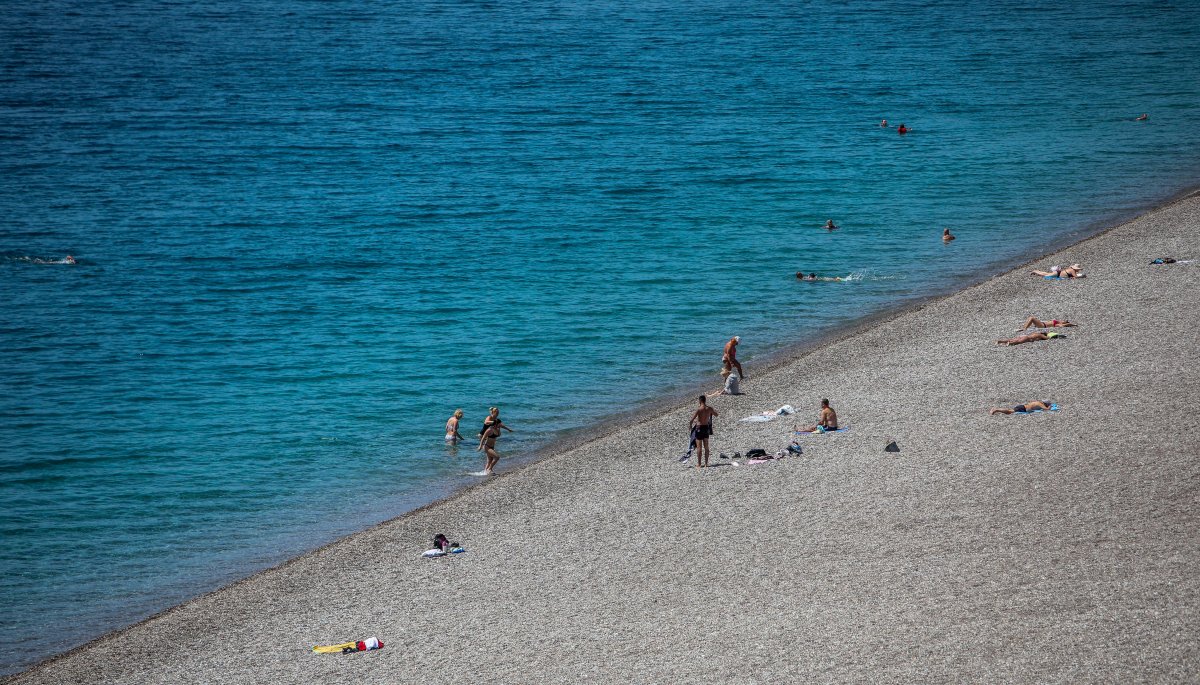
843	429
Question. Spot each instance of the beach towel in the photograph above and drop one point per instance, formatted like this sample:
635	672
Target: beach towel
1053	407
350	647
819	431
758	418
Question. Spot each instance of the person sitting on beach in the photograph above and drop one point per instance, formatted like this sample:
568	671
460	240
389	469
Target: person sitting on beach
1143	117
829	226
903	129
1036	335
1034	322
701	422
1073	271
452	435
946	237
487	439
729	358
1022	408
826	421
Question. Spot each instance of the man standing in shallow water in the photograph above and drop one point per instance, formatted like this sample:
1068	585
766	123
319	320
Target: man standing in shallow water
729	358
702	422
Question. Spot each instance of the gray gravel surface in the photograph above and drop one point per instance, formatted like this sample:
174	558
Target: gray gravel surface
1052	548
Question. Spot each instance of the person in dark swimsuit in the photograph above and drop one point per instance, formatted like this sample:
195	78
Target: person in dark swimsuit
702	423
487	439
1022	408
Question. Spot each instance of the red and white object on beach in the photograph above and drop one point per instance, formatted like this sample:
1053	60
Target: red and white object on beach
369	644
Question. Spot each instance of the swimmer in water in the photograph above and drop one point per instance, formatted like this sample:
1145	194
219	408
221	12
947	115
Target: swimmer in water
1143	117
903	129
946	237
883	124
452	434
829	225
69	260
814	277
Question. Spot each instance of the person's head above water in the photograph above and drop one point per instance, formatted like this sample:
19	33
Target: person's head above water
828	223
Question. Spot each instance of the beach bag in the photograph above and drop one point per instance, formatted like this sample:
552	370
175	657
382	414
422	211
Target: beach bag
756	453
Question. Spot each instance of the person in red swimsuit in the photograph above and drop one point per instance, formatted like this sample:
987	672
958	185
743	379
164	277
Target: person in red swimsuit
902	130
1034	322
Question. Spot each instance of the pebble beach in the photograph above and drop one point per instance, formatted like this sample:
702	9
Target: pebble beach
1052	547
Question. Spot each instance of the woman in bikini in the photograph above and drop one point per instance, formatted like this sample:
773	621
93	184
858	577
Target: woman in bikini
1034	322
452	435
487	439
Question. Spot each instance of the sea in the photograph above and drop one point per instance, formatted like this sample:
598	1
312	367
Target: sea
305	232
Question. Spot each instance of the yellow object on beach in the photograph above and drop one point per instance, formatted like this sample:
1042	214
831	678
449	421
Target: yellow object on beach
334	649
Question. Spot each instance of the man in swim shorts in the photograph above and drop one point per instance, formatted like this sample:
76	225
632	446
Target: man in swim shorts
702	423
729	358
827	421
1022	408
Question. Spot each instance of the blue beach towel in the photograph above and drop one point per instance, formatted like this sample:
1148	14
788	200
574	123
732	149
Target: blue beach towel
1052	278
843	429
1053	407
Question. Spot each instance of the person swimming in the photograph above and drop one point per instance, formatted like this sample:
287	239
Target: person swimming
814	277
69	260
1143	117
829	225
946	237
903	129
883	124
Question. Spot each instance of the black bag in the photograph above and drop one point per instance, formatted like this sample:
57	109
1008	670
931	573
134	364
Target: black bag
755	453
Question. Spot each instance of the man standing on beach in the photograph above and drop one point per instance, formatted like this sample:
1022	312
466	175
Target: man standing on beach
730	358
702	424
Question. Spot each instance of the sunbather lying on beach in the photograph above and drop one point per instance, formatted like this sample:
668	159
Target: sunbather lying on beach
1158	260
1031	337
827	420
1034	322
1073	271
1022	408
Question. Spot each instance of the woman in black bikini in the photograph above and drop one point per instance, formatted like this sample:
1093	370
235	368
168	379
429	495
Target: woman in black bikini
487	439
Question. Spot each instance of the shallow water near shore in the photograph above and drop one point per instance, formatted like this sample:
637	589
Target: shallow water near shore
307	233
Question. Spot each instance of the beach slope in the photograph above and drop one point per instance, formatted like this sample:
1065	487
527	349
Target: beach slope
1053	547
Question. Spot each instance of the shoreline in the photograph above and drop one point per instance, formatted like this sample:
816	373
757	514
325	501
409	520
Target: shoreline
645	413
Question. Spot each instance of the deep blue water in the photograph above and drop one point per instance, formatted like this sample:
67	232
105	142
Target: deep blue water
308	231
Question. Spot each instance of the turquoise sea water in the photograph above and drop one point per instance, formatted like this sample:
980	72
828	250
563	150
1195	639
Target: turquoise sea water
308	231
